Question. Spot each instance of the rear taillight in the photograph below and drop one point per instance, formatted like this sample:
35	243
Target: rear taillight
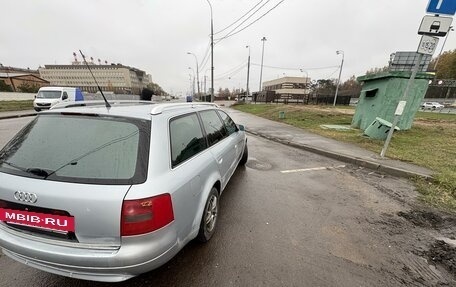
146	215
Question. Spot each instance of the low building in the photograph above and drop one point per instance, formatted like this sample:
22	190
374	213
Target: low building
11	70
288	86
116	78
22	82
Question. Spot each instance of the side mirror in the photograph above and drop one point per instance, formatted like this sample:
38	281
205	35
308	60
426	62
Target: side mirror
241	127
64	97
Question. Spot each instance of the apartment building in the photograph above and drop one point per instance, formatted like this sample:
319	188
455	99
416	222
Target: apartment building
116	78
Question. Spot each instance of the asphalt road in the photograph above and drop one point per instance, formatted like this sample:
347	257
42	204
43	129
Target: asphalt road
291	218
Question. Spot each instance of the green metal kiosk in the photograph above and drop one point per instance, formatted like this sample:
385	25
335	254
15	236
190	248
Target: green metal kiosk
382	92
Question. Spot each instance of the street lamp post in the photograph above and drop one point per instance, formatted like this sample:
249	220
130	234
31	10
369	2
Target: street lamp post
305	85
197	72
444	42
340	73
262	58
190	68
248	73
307	74
212	53
192	85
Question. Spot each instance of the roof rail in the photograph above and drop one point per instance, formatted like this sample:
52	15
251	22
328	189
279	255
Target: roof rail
158	109
65	105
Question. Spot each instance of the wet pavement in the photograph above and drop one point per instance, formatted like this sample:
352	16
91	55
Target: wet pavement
294	218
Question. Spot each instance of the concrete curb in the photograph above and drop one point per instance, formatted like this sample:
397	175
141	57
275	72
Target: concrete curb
394	171
17	116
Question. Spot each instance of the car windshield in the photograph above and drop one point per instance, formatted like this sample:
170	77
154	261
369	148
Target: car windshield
82	149
48	94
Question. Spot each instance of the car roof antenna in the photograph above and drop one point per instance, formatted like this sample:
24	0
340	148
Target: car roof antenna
98	86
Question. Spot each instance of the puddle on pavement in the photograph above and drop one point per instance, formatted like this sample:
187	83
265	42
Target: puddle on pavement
258	165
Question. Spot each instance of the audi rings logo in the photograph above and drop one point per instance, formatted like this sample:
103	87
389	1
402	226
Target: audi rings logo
25	196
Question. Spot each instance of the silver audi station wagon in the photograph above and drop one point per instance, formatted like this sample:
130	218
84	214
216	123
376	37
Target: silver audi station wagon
107	193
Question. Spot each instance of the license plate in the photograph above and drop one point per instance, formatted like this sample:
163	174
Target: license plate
42	220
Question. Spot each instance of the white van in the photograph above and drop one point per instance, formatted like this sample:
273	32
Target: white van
48	97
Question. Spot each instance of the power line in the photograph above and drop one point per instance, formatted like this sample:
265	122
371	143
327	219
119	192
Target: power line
239	18
245	20
206	56
294	69
231	72
233	32
333	72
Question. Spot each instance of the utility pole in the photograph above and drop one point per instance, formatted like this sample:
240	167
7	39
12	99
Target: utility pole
197	72
340	73
205	91
248	73
262	57
212	53
194	77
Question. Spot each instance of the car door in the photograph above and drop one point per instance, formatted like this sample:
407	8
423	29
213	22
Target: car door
235	135
188	162
221	145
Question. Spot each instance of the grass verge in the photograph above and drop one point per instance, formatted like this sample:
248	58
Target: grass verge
7	106
430	143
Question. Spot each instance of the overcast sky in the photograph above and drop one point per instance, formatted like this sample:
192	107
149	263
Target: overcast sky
155	36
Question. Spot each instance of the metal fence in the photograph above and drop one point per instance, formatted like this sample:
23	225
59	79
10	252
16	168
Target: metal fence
307	99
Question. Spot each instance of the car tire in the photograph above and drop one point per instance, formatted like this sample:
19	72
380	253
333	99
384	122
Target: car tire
245	155
210	217
38	110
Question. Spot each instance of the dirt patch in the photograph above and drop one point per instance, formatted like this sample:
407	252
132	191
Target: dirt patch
423	218
444	255
326	110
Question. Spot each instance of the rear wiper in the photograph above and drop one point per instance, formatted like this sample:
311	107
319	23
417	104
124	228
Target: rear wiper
33	170
38	171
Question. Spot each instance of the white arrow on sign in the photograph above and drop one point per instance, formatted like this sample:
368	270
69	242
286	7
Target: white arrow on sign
439	4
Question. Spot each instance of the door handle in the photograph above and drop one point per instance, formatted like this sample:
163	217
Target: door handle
220	160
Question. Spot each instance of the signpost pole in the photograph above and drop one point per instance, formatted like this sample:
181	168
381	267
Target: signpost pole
397	116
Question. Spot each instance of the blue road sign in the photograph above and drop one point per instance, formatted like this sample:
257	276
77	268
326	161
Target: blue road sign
446	7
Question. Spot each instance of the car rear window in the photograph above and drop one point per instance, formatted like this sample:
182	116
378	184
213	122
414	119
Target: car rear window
80	149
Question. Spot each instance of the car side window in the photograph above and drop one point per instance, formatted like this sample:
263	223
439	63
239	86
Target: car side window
215	130
186	138
229	123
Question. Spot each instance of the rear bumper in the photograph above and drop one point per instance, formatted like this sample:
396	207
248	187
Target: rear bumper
138	254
